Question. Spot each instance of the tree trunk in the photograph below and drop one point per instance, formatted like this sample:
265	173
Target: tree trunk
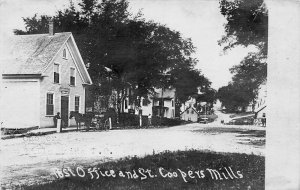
118	106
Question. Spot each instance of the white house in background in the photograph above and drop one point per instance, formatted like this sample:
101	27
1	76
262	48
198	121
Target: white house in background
164	103
189	114
161	104
261	102
42	74
190	103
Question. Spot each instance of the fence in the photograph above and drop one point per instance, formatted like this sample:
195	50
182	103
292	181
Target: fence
131	120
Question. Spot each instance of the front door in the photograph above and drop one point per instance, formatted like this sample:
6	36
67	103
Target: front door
65	111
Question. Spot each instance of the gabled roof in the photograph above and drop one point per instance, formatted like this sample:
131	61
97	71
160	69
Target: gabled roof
189	108
31	54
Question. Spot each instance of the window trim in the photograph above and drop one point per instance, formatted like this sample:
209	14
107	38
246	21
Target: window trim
59	71
144	102
53	103
64	51
74	76
126	104
78	103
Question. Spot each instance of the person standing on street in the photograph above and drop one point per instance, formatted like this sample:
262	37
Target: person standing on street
57	116
264	120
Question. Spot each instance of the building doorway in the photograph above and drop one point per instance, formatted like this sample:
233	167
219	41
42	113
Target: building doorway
65	111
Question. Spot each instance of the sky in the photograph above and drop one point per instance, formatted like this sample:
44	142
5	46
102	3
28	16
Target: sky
199	20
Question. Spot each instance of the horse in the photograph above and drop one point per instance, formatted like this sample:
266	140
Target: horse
82	118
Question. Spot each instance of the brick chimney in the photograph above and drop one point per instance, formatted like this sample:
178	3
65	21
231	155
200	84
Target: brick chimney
51	27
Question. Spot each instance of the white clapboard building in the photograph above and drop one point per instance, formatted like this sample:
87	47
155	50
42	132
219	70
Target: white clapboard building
42	74
189	114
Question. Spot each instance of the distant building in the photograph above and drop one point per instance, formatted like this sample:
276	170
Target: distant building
261	102
160	104
189	114
164	103
190	103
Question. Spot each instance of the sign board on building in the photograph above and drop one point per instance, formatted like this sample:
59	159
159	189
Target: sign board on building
64	91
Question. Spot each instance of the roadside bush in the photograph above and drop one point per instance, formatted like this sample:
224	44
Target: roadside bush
126	119
130	120
242	121
165	121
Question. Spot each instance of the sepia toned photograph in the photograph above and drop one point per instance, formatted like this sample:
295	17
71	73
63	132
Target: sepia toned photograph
133	94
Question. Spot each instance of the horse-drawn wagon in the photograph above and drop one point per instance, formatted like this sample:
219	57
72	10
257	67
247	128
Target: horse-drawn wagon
91	120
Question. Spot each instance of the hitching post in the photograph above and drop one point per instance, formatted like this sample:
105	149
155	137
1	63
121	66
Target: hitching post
109	121
140	119
58	125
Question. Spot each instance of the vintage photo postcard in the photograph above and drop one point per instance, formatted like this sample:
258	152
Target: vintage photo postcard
141	94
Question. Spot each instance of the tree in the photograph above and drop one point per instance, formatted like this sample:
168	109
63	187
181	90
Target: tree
252	71
34	25
247	24
88	7
186	81
208	95
137	52
234	96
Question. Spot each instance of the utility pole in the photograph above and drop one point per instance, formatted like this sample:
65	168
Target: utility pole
162	102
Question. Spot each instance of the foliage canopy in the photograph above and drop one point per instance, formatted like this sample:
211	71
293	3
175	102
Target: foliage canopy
124	50
247	24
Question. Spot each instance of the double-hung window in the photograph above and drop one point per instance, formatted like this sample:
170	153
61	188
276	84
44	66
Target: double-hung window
145	103
77	103
56	73
126	103
72	76
49	104
65	54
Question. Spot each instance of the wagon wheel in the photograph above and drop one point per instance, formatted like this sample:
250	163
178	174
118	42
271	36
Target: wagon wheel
106	125
97	125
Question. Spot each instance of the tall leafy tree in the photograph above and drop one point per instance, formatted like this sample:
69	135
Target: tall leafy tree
208	95
187	81
247	24
124	50
234	96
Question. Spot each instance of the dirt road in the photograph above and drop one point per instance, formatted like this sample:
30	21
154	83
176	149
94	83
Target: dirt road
33	159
